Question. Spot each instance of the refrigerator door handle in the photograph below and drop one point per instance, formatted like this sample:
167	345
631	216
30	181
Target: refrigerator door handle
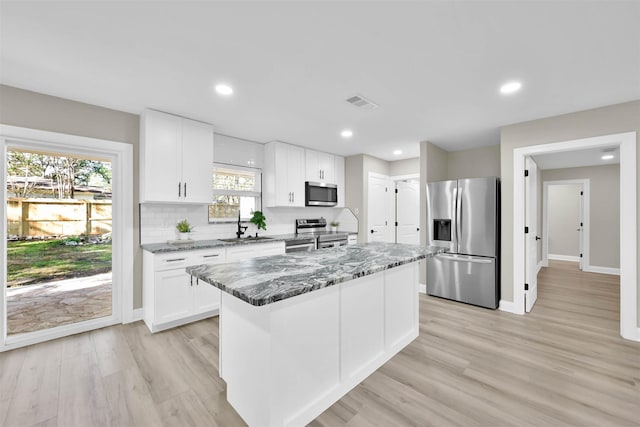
458	216
462	258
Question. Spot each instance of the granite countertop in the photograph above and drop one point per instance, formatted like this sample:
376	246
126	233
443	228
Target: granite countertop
265	280
204	244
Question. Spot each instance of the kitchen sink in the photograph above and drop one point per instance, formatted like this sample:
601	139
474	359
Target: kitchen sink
245	239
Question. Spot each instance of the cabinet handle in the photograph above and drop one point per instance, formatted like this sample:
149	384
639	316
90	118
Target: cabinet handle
191	277
210	256
179	189
175	259
293	197
185	189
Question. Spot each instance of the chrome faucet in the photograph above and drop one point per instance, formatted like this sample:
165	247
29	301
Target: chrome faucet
241	228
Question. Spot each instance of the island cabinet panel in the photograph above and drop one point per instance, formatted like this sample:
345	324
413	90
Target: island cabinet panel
288	361
362	327
401	307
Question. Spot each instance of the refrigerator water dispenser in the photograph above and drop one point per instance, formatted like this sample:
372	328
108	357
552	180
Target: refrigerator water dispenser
442	230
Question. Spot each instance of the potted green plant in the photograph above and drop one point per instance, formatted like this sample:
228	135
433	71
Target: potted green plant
334	225
258	219
184	229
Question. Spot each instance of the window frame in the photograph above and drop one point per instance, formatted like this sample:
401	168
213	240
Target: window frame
239	193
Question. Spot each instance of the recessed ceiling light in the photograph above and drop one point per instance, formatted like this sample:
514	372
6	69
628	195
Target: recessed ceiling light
607	157
510	87
397	152
346	133
223	89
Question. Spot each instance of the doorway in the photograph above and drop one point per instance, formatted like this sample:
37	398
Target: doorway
59	234
626	144
565	221
118	260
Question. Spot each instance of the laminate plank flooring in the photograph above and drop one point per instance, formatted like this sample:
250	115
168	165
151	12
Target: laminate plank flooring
564	364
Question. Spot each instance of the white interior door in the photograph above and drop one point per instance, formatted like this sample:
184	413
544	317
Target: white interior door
581	227
531	241
379	209
408	212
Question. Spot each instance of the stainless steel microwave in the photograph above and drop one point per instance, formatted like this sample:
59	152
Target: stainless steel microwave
320	194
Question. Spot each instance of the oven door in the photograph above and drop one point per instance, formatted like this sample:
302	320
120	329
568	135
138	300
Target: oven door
302	247
332	244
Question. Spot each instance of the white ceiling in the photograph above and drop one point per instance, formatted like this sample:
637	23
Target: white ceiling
434	67
577	158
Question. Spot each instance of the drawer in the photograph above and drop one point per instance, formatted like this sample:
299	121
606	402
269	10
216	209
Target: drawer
171	261
185	259
209	256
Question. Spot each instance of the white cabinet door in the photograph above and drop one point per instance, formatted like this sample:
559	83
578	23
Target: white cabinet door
326	165
176	160
160	147
295	176
339	179
206	297
320	167
197	161
284	175
174	297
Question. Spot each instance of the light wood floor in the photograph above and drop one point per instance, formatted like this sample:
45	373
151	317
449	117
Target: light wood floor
563	364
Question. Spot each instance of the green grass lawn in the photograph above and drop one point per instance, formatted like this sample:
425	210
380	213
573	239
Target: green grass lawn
36	261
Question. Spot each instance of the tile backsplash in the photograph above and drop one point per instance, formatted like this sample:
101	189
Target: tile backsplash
158	221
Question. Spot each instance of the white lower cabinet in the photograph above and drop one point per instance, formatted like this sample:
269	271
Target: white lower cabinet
171	297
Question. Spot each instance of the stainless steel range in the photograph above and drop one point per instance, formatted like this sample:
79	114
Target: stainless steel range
318	229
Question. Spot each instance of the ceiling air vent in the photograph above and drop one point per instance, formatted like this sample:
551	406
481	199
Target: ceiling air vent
362	102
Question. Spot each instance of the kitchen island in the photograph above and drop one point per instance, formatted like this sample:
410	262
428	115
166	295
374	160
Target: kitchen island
299	331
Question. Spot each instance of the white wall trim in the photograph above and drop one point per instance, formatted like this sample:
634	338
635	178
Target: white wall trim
628	220
138	314
540	265
403	177
509	307
422	288
121	156
586	218
602	270
557	257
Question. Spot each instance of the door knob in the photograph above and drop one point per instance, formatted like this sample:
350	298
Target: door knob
373	231
538	238
417	229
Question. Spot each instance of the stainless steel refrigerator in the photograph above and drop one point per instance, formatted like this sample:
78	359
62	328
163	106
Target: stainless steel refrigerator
464	216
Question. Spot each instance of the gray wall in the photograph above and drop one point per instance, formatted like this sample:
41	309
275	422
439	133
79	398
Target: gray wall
600	121
604	210
33	110
474	163
563	216
405	167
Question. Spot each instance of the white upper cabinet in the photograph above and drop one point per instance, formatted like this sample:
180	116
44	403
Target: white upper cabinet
176	159
320	167
284	175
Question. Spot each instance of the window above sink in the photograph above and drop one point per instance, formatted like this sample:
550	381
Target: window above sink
235	189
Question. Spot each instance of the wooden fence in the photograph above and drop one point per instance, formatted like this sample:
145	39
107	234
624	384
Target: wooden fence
53	217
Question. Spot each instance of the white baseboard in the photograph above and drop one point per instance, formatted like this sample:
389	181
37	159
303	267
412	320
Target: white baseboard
509	306
539	267
602	270
564	257
423	288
